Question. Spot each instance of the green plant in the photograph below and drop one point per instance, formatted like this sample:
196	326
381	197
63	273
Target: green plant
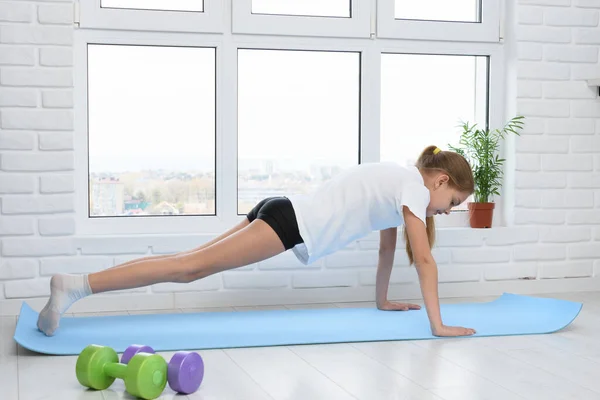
480	148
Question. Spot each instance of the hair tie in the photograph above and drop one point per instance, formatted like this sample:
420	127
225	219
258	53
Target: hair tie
437	150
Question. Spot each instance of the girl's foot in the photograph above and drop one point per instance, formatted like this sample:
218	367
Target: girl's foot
65	290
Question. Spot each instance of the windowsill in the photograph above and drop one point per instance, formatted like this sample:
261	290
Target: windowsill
459	219
464	228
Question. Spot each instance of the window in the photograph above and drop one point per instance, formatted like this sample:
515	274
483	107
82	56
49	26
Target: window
458	20
152	15
314	8
438	10
425	97
298	120
332	18
151	130
189	112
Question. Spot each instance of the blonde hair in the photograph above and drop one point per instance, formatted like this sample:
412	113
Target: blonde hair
461	178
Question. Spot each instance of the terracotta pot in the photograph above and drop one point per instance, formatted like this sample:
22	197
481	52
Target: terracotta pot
481	214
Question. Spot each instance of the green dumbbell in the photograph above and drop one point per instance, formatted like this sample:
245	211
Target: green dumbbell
145	375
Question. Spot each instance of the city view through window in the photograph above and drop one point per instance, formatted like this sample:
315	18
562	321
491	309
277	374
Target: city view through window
152	121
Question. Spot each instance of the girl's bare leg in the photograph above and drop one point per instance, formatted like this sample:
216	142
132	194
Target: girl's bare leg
254	243
230	232
251	244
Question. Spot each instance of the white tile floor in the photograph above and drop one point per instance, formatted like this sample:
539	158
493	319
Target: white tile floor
563	365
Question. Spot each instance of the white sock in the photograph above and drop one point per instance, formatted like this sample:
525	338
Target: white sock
65	290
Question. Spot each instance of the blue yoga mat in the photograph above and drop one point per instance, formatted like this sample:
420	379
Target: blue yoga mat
510	314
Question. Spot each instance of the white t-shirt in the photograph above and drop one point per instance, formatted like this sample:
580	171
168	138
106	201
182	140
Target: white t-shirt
359	200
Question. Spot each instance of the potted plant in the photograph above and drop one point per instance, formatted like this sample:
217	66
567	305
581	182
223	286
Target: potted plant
480	148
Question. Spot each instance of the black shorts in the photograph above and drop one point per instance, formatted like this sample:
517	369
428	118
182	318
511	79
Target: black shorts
279	213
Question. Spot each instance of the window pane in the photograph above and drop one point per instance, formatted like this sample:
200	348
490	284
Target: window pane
318	8
439	10
164	5
425	97
298	120
151	130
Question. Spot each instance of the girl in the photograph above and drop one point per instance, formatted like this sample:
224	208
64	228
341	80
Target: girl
364	198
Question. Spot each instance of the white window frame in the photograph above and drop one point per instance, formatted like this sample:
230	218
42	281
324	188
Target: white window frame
92	15
357	26
496	96
224	177
227	46
488	30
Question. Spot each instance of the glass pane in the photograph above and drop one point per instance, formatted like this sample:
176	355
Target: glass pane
425	97
151	130
298	121
439	10
312	8
164	5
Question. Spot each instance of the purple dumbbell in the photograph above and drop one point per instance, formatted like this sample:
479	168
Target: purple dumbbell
133	350
185	370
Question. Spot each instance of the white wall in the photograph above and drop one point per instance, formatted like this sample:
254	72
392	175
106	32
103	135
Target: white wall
550	243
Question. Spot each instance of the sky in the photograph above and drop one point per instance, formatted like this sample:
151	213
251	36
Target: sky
153	107
172	5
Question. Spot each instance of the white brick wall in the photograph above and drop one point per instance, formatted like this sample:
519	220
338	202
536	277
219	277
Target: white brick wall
529	51
59	14
318	279
16	140
57	184
211	283
17	184
553	245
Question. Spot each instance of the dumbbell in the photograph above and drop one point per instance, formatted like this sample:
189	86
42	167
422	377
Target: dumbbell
145	375
185	370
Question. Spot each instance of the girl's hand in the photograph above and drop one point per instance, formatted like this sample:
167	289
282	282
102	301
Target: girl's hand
452	331
393	306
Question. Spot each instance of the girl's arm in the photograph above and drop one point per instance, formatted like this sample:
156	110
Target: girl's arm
428	275
387	248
